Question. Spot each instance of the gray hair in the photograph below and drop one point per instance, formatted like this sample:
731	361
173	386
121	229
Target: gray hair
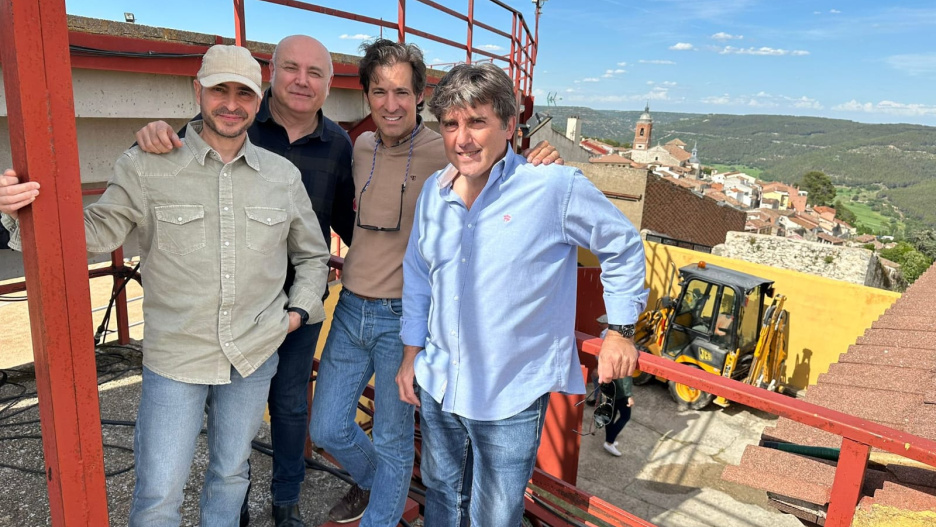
469	85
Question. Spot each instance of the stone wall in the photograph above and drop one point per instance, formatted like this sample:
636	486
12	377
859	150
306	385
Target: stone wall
619	180
681	214
570	151
849	264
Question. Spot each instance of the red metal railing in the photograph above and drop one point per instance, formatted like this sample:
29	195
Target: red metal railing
523	42
519	62
858	435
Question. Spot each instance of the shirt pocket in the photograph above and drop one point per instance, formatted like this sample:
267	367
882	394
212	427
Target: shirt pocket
180	229
264	228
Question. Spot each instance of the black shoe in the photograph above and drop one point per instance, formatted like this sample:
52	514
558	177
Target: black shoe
287	516
351	506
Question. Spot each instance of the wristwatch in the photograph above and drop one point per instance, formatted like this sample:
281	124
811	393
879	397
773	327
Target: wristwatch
303	314
626	331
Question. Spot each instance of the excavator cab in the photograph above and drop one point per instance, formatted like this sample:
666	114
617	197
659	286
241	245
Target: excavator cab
717	324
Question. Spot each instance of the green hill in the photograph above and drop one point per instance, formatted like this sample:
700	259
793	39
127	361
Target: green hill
900	157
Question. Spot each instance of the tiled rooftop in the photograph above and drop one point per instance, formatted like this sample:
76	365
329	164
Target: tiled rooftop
888	376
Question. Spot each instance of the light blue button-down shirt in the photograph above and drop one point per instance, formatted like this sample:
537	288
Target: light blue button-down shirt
490	292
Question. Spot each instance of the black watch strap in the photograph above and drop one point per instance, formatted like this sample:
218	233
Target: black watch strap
626	331
303	314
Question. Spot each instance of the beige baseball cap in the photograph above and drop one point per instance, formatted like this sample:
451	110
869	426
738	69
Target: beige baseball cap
230	64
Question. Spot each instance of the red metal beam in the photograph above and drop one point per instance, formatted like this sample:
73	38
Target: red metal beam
401	22
120	303
37	77
240	24
585	501
846	488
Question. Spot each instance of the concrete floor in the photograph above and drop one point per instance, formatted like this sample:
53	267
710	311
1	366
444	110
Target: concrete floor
670	470
669	473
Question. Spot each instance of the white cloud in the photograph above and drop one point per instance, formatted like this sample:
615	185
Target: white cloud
662	62
669	84
835	11
622	64
721	35
806	102
359	36
763	100
887	107
682	46
913	64
655	94
650	83
717	99
591	79
570	90
491	47
775	52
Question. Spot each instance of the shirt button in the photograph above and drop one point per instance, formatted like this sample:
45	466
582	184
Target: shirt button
227	276
225	313
463	260
225	208
456	298
453	332
227	243
469	225
269	220
454	363
180	219
226	344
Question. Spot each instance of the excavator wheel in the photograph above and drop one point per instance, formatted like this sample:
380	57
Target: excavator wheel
691	398
642	377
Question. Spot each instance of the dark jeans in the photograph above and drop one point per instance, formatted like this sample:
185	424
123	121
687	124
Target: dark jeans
288	406
619	418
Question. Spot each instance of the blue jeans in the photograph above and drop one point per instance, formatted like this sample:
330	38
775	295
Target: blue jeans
168	424
364	340
289	413
477	469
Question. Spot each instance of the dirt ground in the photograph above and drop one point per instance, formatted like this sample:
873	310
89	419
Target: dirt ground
15	338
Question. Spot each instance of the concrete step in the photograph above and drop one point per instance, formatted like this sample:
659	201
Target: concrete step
921	359
878	377
783	473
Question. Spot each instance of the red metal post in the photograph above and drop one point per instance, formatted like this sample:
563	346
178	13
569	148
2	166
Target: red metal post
846	488
120	303
470	29
513	49
401	22
37	77
559	448
240	24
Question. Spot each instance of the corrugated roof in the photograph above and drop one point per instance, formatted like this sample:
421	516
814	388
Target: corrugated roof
888	376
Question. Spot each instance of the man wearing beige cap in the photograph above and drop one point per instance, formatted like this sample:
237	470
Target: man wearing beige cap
217	220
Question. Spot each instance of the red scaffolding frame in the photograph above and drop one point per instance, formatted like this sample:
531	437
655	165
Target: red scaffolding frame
37	75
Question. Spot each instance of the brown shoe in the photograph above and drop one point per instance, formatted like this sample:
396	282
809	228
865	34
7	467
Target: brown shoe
351	506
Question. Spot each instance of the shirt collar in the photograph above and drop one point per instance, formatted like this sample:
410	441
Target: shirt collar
265	115
502	169
200	148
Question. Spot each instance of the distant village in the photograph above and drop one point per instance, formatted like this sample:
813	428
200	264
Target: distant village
772	208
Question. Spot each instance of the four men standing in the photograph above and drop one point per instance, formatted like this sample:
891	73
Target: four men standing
473	377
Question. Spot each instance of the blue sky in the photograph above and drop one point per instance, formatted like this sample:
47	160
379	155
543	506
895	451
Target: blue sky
863	60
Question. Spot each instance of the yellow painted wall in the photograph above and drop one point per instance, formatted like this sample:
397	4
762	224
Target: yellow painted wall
826	316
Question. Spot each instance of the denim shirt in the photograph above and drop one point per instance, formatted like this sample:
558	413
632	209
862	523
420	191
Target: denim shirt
490	291
214	239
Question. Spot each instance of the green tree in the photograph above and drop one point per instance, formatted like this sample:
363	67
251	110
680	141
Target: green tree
912	262
845	214
925	242
820	188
